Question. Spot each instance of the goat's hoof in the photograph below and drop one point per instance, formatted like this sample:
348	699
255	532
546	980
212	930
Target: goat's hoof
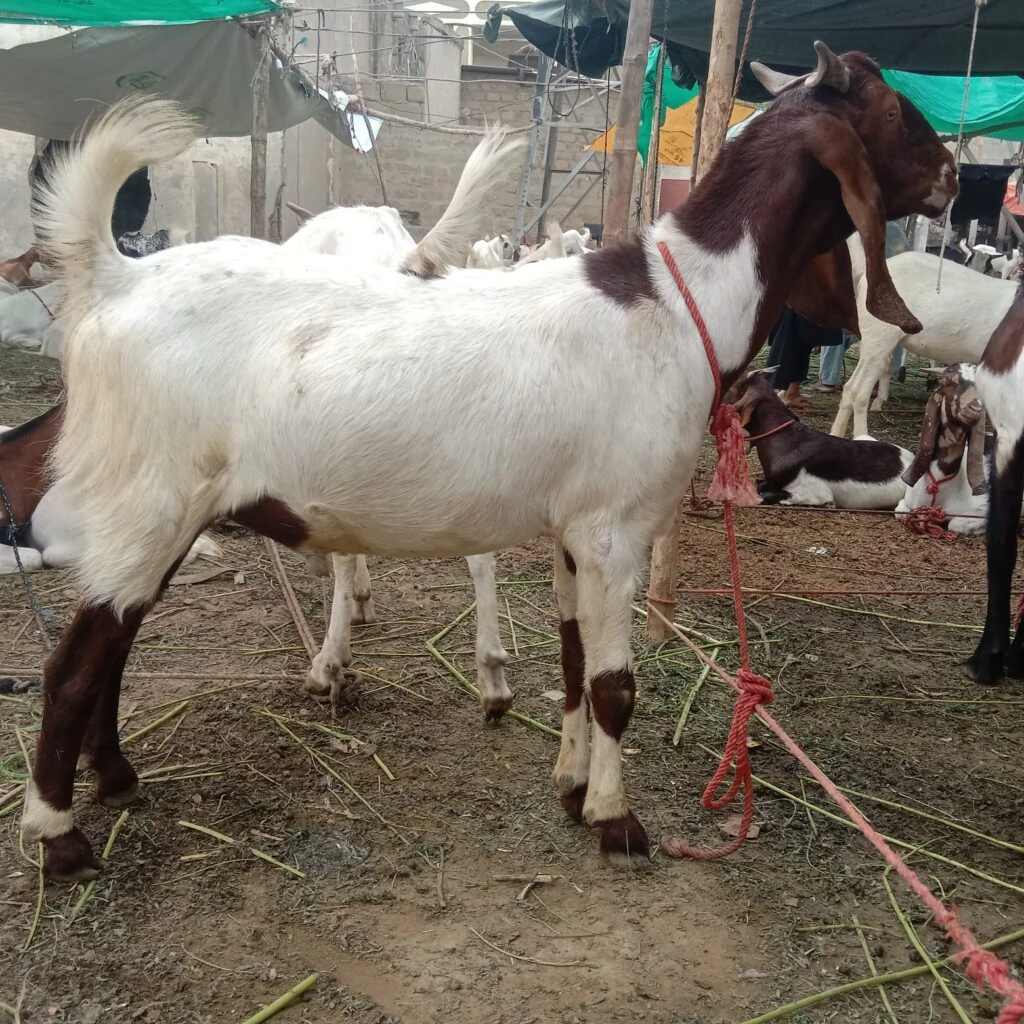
985	667
573	801
69	858
624	842
495	708
322	676
363	611
1015	664
345	690
121	799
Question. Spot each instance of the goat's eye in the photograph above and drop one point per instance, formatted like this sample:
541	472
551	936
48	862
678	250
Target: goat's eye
892	114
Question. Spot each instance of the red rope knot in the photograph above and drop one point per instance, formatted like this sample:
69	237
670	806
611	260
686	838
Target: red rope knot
928	520
732	474
754	690
984	968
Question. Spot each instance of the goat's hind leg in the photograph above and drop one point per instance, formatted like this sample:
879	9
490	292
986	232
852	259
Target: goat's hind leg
329	674
73	682
117	784
491	657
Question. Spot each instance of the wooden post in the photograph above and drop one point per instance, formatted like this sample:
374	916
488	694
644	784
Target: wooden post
260	116
714	123
627	125
721	76
653	144
550	152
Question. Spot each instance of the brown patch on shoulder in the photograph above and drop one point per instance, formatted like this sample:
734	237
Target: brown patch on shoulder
622	272
274	519
1007	341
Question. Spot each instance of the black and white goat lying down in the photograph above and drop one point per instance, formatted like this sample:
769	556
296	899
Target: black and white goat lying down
803	466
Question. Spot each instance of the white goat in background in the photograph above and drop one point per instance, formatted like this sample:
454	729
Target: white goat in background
958	322
376	234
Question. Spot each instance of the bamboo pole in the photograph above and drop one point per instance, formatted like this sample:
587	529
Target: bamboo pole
654	143
260	117
717	97
627	127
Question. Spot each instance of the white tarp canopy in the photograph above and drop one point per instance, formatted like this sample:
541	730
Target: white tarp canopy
51	88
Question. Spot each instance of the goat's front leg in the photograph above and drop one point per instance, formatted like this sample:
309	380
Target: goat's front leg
73	681
327	675
1006	488
606	587
491	657
986	665
572	769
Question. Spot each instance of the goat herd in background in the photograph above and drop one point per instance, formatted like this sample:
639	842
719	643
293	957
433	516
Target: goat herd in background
398	406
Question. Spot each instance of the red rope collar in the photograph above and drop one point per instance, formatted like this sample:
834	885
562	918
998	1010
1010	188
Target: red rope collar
927	519
751	438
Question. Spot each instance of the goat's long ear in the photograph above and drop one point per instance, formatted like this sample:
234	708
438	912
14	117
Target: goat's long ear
835	145
976	457
824	294
929	435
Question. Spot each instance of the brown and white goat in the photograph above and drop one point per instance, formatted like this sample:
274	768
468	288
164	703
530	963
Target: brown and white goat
804	466
940	476
1000	381
340	407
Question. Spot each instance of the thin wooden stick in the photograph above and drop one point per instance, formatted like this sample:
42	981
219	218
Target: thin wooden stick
286	1000
156	723
874	971
690	697
528	959
923	953
227	840
88	889
301	626
39	902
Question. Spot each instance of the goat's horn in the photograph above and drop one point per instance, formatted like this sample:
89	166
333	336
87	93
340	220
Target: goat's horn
300	211
775	82
831	71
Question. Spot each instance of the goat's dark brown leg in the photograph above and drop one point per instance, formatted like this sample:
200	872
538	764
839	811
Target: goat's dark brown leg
117	784
73	679
989	661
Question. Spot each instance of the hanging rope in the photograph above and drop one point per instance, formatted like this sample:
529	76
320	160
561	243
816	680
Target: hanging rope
947	227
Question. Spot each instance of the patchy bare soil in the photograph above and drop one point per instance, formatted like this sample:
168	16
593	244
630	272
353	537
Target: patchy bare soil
405	891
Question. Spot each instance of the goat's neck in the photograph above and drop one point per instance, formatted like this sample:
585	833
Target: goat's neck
766	209
767	416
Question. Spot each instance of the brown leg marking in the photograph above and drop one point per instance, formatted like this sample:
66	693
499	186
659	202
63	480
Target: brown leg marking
612	695
572	678
117	784
73	678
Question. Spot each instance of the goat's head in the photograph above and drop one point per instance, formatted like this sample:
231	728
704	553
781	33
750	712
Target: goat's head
751	391
954	422
885	160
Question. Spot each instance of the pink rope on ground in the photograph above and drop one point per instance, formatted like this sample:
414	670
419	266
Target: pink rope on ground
732	480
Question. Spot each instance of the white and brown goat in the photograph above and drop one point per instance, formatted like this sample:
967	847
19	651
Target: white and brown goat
948	471
337	406
804	466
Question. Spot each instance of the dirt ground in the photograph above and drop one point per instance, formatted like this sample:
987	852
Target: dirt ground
403	833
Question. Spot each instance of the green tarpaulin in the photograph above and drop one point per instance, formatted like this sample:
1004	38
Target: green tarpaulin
130	12
931	36
995	106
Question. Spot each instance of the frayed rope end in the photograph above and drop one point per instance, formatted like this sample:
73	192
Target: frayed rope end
732	480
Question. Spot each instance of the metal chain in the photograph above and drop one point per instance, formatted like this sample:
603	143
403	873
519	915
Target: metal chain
15	528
